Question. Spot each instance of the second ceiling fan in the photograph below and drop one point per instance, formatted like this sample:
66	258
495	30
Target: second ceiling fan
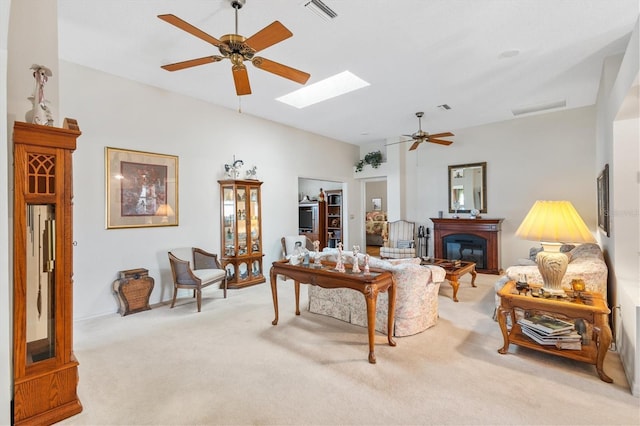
238	49
422	136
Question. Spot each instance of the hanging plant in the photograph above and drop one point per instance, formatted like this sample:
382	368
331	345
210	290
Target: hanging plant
374	159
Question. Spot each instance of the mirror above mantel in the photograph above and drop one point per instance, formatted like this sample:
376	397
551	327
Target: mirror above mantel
468	187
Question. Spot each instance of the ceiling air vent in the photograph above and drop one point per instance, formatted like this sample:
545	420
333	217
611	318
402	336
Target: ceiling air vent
321	9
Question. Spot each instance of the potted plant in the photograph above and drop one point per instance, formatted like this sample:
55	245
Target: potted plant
374	159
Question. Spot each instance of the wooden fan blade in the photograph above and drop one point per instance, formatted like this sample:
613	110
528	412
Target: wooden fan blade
268	36
241	79
439	135
281	70
440	141
191	63
185	26
414	146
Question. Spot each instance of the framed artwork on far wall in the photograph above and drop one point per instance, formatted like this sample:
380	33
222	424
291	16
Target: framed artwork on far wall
603	200
141	189
377	204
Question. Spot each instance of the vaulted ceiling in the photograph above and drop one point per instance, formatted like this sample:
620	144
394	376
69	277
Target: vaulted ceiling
483	58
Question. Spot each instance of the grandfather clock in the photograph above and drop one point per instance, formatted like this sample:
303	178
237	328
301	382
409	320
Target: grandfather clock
45	370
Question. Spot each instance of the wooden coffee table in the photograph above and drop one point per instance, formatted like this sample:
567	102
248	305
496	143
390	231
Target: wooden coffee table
454	270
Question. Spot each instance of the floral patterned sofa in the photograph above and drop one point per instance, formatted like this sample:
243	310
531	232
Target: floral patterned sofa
416	296
586	261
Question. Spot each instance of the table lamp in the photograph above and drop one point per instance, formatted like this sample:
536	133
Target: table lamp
165	211
553	223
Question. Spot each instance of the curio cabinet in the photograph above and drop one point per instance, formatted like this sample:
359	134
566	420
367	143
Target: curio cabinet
241	251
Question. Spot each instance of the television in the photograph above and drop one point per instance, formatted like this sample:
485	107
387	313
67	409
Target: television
305	218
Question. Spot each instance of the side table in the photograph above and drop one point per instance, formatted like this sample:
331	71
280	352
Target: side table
454	269
590	307
133	288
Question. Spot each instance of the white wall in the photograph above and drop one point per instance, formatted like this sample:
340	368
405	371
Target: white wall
541	157
26	50
618	137
376	189
120	113
311	187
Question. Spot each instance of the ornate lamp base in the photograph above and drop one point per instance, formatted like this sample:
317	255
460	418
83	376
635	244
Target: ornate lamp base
552	266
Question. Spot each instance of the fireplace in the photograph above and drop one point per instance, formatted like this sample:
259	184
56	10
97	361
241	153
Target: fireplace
472	240
467	247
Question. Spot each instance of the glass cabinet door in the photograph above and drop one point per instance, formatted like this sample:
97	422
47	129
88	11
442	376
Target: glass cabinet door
229	211
254	212
241	210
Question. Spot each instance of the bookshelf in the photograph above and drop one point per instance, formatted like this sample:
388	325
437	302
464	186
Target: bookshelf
334	217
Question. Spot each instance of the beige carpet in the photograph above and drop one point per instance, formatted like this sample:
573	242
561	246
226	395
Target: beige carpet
228	365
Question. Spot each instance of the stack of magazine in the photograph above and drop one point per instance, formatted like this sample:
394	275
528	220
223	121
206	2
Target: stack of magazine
547	330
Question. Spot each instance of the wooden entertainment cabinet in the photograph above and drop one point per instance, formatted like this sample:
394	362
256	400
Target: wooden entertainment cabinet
312	221
322	220
487	229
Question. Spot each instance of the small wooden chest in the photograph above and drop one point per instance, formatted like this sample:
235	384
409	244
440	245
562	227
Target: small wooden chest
133	288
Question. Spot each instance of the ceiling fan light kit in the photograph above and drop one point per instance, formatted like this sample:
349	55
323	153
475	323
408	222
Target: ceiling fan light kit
238	49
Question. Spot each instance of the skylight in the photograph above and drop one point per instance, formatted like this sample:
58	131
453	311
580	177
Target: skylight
328	88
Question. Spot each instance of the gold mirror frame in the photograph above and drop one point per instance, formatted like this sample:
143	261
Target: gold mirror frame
457	172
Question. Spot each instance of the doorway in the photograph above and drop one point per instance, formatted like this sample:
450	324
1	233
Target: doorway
375	202
334	226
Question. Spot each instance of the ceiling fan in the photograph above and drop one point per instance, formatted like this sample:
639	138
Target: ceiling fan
421	136
238	49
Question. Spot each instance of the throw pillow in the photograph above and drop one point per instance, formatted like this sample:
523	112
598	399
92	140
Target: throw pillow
533	252
402	244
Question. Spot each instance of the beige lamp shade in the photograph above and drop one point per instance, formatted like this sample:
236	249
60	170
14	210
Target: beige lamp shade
165	210
553	223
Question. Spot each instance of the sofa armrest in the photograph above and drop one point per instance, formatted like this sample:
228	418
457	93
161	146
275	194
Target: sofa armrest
438	274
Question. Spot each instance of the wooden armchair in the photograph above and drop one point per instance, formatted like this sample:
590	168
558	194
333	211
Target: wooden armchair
193	268
400	240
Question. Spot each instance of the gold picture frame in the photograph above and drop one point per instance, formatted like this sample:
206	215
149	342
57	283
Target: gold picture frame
141	189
